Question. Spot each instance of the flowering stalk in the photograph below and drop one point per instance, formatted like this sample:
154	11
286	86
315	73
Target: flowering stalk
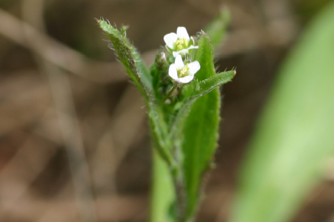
183	102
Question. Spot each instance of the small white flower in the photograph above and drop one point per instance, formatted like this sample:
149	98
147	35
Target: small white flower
183	73
180	42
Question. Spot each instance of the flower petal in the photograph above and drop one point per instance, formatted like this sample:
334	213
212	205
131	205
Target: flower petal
179	62
170	39
185	79
193	47
180	52
182	33
173	73
175	53
183	51
194	67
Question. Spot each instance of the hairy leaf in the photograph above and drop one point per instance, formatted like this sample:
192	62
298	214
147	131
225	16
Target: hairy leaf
201	88
200	130
129	57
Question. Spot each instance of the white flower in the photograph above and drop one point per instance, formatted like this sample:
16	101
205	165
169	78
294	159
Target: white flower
183	73
180	42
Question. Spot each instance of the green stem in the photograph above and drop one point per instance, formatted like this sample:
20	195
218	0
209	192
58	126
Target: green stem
163	194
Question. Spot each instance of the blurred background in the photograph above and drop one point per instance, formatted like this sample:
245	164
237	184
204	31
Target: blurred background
74	141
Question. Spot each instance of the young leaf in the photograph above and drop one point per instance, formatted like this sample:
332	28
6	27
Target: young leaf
129	57
198	89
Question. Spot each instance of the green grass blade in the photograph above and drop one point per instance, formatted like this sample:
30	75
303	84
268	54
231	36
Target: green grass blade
294	139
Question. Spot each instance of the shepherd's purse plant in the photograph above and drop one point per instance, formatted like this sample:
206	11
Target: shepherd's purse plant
182	98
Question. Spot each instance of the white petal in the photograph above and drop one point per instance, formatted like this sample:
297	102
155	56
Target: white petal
175	53
180	52
186	79
170	39
194	67
193	47
173	72
179	62
183	51
182	33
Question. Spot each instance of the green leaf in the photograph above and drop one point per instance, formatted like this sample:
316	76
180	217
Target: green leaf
293	143
198	89
200	131
129	57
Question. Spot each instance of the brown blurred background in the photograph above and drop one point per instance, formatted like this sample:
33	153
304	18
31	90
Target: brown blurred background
74	142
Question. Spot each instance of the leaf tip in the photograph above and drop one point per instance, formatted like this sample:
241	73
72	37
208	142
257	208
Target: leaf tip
103	24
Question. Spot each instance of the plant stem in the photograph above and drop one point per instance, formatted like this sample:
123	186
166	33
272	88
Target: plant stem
180	199
162	196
